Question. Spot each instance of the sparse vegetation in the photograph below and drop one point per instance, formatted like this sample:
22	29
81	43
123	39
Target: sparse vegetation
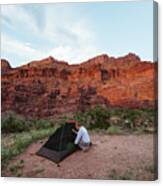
118	120
150	168
14	144
19	132
16	168
97	117
114	130
13	123
126	176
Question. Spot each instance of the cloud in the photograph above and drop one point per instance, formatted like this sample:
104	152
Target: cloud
19	19
74	55
18	50
28	35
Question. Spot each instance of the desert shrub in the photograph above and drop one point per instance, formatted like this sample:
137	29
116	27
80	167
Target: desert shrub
13	123
62	120
133	119
114	130
127	119
93	118
99	117
128	123
16	168
21	141
150	168
10	122
83	118
114	175
41	124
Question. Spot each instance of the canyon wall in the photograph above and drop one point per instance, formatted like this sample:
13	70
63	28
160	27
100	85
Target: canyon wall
50	87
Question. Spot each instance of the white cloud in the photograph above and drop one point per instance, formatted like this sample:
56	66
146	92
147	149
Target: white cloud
63	36
17	18
17	49
74	55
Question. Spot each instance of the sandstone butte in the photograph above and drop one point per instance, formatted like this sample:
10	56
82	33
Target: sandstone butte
48	87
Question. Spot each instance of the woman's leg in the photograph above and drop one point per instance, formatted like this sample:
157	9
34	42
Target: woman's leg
84	146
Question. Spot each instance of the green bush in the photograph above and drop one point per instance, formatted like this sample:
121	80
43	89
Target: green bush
97	117
127	119
114	130
94	118
11	122
21	141
41	123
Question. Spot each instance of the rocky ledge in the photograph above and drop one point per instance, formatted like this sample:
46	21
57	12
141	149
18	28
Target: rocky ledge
50	87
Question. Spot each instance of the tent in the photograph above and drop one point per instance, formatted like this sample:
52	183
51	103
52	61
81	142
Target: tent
60	144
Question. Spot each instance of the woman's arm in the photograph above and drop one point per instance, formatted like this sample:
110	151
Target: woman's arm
74	131
78	137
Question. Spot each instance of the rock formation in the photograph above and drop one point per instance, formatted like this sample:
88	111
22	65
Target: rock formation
50	87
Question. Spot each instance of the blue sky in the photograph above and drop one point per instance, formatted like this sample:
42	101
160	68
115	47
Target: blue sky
75	32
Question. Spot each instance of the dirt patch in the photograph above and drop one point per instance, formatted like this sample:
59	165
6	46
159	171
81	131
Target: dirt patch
111	157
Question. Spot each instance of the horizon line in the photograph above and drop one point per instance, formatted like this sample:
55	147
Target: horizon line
79	63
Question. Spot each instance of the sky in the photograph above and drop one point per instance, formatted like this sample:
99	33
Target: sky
75	32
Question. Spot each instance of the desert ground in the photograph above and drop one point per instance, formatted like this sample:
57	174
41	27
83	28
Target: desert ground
110	157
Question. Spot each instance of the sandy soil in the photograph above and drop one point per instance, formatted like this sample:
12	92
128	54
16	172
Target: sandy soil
111	157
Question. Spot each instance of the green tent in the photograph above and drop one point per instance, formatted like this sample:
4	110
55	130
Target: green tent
60	144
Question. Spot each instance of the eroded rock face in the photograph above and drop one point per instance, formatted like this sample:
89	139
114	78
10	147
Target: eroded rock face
5	66
50	87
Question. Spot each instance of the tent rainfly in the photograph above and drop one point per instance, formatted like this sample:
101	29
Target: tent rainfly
60	144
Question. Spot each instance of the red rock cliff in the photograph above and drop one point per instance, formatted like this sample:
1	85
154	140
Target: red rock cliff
50	87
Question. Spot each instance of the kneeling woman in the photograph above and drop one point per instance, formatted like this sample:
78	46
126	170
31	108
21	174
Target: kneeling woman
82	138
